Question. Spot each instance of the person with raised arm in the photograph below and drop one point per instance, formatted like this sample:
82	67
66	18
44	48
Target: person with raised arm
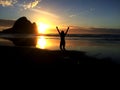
62	38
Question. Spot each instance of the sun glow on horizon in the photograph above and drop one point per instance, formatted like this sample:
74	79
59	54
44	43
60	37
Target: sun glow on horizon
42	27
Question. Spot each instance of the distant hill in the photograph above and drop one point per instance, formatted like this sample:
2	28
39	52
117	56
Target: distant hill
22	26
6	23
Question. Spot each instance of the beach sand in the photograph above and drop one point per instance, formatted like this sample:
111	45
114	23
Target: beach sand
33	57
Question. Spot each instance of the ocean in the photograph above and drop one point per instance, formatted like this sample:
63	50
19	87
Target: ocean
97	45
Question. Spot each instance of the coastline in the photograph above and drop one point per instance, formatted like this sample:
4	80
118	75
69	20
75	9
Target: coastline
33	57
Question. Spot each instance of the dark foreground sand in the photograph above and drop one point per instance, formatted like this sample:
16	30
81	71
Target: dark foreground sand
32	57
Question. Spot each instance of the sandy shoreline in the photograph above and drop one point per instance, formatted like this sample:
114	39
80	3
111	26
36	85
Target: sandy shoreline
33	57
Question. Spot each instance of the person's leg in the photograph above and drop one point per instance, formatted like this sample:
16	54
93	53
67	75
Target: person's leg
64	46
61	46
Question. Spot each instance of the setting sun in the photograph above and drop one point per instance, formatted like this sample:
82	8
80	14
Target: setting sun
42	27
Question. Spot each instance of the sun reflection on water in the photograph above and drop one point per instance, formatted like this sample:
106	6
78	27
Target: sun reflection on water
41	42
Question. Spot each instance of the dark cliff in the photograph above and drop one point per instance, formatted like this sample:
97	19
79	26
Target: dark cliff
22	26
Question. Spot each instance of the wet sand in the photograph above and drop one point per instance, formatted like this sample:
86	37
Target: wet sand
35	58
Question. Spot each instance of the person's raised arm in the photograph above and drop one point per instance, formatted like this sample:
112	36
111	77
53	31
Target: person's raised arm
66	30
58	30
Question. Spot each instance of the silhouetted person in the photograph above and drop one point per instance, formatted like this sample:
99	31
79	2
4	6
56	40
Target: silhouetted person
62	36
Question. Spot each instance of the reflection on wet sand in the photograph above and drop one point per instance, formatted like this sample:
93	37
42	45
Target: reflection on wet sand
42	42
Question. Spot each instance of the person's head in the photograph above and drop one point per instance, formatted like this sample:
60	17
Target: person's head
62	32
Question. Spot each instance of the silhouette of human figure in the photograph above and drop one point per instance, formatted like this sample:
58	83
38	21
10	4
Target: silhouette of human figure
62	38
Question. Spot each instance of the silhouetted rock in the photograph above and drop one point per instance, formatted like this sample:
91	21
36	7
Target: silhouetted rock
25	27
22	26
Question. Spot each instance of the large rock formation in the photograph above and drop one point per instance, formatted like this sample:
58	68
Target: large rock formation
22	26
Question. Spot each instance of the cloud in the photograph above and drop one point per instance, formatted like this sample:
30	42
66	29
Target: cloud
27	4
92	9
106	30
5	3
94	30
31	4
72	16
45	13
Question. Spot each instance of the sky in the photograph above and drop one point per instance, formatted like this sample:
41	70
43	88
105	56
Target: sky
77	14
